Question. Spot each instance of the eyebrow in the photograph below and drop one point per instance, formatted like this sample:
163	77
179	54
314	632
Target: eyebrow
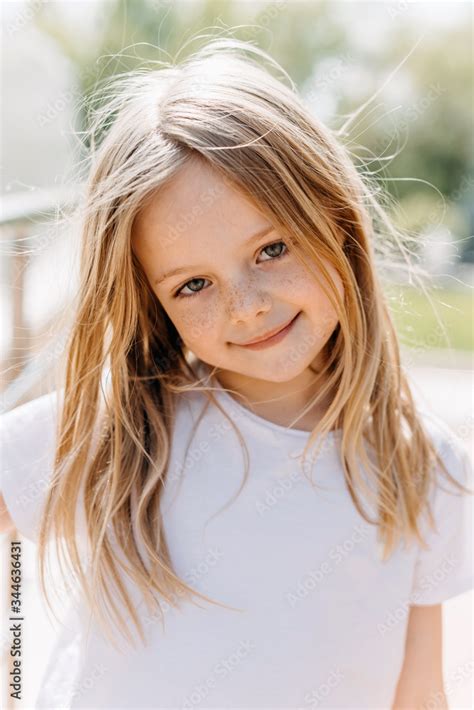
180	269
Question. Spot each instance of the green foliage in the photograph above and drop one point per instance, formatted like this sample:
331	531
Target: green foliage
429	132
443	320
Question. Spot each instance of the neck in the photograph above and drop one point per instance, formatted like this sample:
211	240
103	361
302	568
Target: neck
280	402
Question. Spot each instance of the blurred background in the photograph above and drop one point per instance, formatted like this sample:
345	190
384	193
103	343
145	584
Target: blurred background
412	60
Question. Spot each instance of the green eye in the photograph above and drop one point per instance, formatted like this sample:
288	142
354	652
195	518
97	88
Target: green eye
270	246
178	293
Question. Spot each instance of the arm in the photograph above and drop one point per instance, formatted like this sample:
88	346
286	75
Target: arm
420	685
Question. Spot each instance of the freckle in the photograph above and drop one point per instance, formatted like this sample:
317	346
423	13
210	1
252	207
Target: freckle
202	320
186	319
292	282
237	296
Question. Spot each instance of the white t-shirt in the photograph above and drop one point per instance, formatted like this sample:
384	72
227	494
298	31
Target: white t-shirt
318	619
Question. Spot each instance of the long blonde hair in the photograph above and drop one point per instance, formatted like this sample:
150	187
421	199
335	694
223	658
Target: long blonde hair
223	106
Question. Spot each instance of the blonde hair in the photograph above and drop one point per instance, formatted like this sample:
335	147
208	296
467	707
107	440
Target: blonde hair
220	105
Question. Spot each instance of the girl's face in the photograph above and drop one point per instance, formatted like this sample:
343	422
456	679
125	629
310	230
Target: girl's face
225	277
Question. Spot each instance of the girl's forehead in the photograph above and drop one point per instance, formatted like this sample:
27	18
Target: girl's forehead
198	203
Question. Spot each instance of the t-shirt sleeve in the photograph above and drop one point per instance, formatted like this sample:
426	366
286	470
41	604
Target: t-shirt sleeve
446	569
27	447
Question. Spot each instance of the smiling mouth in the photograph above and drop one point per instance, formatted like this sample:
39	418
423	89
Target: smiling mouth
271	339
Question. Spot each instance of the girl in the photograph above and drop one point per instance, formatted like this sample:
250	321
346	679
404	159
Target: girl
233	468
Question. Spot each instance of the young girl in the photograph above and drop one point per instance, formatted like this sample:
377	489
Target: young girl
252	511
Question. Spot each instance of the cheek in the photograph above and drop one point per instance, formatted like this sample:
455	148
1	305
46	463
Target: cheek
293	282
194	322
321	311
303	285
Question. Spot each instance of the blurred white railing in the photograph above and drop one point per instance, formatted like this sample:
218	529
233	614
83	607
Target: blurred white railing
21	215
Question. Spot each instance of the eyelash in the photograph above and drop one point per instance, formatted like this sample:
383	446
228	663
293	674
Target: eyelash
178	293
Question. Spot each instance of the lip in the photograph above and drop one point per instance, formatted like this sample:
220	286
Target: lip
271	339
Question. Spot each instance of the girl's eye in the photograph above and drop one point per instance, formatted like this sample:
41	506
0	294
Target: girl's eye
179	293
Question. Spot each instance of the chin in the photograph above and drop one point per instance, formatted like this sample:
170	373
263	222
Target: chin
279	372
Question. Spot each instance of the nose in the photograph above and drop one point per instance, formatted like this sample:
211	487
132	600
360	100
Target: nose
246	301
